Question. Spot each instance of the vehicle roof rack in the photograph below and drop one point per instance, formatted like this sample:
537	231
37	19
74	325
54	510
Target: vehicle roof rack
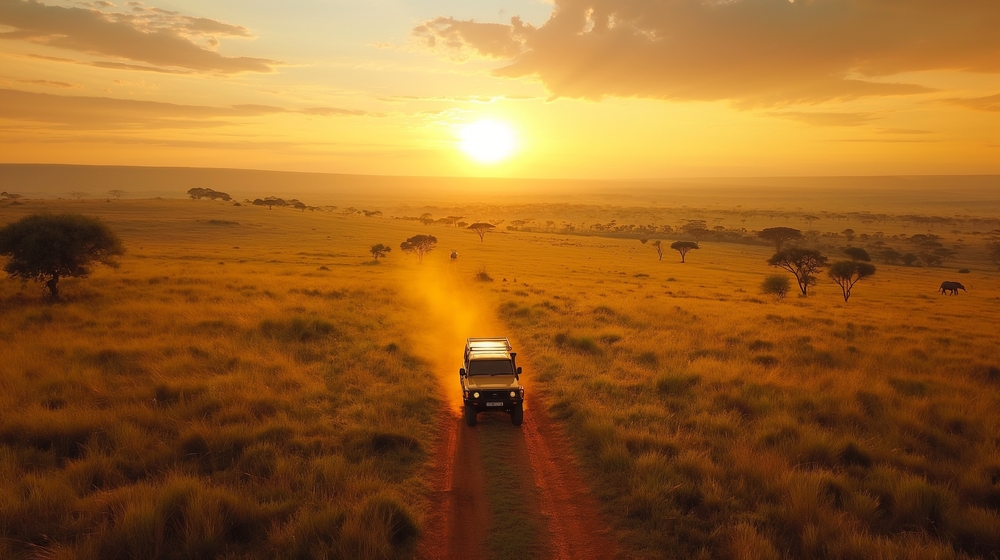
488	344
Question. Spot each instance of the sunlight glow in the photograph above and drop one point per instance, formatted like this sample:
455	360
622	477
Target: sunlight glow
487	141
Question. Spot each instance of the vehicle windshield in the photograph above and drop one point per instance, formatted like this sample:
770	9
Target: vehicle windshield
491	367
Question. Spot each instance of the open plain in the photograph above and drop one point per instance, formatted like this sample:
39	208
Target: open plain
249	383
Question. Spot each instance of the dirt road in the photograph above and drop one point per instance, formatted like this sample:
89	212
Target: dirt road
459	519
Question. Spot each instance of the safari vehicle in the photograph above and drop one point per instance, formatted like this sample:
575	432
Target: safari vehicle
491	379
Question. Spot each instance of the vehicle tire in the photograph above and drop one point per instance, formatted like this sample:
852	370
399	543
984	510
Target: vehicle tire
517	415
470	415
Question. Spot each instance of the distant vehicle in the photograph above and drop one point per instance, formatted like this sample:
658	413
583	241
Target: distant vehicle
454	255
491	379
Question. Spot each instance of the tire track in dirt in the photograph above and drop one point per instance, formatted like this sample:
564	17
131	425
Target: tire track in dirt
575	527
458	520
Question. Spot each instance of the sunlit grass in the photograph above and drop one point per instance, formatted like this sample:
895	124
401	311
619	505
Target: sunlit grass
718	423
259	388
207	401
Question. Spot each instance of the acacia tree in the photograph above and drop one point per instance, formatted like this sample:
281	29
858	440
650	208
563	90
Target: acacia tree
993	247
269	202
683	247
697	229
380	250
78	194
117	193
658	245
802	263
481	228
848	273
778	235
47	247
419	244
857	254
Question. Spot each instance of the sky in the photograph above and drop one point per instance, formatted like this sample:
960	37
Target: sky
590	89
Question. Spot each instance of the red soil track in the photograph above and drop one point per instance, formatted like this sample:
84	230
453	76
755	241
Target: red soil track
458	520
459	515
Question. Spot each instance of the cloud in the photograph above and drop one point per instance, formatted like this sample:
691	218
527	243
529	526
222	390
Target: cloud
160	39
334	112
466	38
826	119
988	103
904	131
106	113
750	52
44	83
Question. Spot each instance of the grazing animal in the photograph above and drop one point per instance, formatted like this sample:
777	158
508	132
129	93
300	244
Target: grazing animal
952	287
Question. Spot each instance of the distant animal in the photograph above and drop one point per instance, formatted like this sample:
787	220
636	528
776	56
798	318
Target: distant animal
454	255
952	287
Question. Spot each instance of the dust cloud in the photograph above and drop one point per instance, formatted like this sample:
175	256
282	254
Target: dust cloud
447	312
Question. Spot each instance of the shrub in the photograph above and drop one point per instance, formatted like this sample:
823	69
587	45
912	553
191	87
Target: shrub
582	344
776	285
765	360
297	329
677	383
483	276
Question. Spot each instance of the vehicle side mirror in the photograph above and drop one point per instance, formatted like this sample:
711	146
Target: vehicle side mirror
461	372
519	370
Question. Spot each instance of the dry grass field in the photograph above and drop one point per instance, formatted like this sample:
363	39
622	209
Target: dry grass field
248	384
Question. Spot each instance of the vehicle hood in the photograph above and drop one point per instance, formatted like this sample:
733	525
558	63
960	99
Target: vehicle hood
491	382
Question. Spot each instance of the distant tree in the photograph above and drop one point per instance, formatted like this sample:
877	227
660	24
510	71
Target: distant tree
848	273
802	263
117	193
993	250
778	236
269	202
810	219
420	245
857	254
9	196
909	259
889	255
944	253
380	250
481	228
78	194
848	233
197	193
372	213
776	285
930	259
658	245
48	247
300	206
683	247
697	229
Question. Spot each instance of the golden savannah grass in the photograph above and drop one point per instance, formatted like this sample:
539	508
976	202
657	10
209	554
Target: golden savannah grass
218	395
249	384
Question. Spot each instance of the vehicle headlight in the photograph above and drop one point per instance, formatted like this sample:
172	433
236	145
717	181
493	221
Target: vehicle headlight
513	394
475	395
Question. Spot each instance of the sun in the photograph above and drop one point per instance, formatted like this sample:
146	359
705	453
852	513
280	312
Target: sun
487	141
